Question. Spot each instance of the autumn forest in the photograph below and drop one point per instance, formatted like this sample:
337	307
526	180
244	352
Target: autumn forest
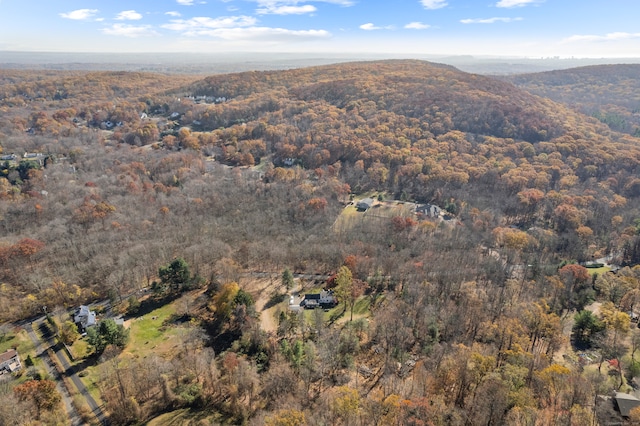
217	196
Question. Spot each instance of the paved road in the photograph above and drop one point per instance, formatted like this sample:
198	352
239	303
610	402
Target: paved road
74	417
71	372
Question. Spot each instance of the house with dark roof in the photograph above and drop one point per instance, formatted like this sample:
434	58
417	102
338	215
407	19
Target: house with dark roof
624	403
10	361
429	210
364	204
324	299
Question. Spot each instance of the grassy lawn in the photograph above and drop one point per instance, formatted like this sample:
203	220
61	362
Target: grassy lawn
335	314
20	341
25	348
79	349
362	306
599	271
146	336
350	216
389	209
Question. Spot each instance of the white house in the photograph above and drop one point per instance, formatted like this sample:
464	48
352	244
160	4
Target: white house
84	318
325	298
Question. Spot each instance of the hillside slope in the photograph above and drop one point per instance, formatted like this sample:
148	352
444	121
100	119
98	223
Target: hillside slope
610	93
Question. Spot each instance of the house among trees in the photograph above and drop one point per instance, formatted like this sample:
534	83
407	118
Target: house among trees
429	210
324	299
364	204
10	361
625	403
84	318
37	157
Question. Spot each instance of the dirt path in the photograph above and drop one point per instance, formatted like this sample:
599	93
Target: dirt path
567	328
262	288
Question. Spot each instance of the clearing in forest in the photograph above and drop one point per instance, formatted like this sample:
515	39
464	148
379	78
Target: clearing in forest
380	211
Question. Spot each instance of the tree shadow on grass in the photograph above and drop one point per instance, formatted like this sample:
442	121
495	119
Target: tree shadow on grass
151	304
275	299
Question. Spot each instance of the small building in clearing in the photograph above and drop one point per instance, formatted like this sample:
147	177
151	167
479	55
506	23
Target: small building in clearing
364	204
429	210
10	361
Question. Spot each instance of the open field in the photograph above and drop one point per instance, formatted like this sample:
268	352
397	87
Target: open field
350	216
20	341
599	271
147	336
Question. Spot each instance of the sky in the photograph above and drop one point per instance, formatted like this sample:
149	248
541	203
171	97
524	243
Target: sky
510	28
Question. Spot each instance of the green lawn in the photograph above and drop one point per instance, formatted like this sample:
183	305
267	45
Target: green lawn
147	335
362	306
599	271
389	209
350	216
25	347
147	331
335	314
80	349
20	341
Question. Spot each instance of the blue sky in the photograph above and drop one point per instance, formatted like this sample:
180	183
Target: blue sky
525	28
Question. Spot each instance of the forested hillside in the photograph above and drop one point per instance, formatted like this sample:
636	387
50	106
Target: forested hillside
608	92
189	190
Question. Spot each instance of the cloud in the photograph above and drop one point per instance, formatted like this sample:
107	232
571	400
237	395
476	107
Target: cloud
369	27
173	13
417	26
132	31
239	28
201	24
185	2
516	3
273	9
489	20
80	14
265	34
607	37
434	4
128	15
293	7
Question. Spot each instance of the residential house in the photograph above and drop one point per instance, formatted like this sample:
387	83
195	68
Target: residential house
84	318
625	403
324	299
429	210
37	157
10	361
364	205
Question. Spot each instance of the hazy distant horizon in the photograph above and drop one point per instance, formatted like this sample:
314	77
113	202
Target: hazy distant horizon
260	61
